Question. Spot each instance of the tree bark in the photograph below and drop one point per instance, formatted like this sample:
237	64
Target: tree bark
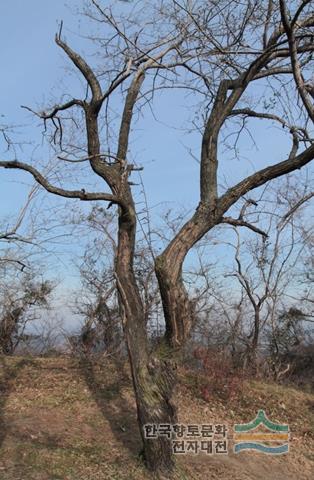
153	379
178	308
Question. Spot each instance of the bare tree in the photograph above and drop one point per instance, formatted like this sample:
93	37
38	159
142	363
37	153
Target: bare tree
204	47
263	274
17	303
97	301
268	267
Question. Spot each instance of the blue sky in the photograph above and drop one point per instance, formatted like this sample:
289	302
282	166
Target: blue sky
31	65
34	66
34	70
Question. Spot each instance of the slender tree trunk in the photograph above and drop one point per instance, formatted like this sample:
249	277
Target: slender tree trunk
252	350
153	379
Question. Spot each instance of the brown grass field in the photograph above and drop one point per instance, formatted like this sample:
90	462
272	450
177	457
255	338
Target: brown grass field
65	419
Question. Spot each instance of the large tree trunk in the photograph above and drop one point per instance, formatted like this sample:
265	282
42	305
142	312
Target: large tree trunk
178	309
153	379
154	384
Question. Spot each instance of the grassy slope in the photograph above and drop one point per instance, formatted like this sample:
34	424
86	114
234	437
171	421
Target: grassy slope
62	419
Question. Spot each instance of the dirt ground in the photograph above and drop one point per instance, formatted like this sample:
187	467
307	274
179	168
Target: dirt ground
65	419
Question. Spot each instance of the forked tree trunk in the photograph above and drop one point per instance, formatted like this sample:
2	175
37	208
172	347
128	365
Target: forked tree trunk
153	379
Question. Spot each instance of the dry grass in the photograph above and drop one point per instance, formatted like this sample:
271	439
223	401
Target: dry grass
61	419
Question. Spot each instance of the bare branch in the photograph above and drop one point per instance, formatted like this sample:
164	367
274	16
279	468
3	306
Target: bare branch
267	22
298	205
56	109
241	223
270	116
80	194
128	114
262	176
15	261
293	49
84	68
131	98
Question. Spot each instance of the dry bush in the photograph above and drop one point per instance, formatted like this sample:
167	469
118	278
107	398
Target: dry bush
220	377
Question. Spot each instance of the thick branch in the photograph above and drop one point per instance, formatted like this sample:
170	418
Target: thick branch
128	114
80	194
262	176
267	21
131	98
84	68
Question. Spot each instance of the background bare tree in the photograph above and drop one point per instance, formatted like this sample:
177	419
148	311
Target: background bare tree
266	267
18	306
